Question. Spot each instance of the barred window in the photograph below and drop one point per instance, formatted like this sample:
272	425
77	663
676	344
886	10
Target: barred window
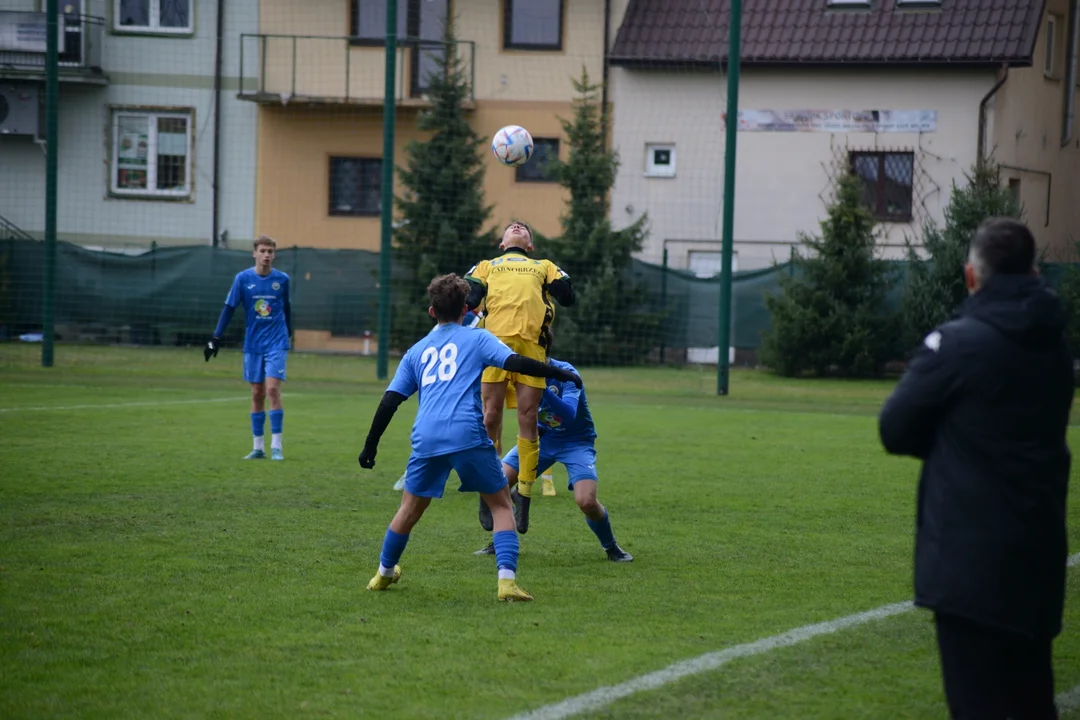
539	168
887	180
355	186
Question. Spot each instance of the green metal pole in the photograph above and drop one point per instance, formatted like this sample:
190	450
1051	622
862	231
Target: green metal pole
723	365
52	98
389	108
664	306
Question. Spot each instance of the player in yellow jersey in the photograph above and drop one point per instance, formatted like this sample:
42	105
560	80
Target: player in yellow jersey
517	292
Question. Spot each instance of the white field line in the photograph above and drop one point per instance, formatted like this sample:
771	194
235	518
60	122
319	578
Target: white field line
1069	700
710	661
106	406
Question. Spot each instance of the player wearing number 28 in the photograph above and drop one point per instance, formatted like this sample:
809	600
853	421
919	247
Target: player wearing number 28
448	433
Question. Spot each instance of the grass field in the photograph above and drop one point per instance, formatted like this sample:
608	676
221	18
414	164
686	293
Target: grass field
145	571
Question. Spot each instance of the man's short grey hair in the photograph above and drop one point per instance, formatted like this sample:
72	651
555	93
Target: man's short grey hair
1002	246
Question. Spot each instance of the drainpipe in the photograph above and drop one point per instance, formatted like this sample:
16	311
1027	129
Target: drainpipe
981	156
1069	120
604	80
217	118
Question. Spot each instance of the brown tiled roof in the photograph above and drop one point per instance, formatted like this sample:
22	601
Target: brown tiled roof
808	32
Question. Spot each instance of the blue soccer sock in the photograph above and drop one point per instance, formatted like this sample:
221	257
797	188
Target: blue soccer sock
602	530
507	546
277	420
258	425
393	545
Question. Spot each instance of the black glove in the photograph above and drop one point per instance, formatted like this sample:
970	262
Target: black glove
211	348
567	376
367	457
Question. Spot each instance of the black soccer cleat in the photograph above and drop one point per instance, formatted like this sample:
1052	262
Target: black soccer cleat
521	510
486	520
617	554
488	549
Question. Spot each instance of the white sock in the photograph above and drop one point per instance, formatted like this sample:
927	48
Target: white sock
275	441
259	442
385	571
505	574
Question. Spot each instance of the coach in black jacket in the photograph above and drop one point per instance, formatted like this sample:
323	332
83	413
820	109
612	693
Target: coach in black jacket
985	404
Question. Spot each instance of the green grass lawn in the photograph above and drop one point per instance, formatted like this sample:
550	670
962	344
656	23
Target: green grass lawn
145	571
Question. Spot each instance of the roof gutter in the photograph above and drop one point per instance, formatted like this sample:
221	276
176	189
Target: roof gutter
1068	124
604	79
981	151
215	211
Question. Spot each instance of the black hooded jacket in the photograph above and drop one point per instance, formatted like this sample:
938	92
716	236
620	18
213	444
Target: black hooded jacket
985	404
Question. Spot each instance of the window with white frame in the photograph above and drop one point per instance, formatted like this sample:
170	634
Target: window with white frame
151	153
659	160
156	16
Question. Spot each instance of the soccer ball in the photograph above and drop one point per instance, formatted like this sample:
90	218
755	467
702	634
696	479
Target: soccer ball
512	145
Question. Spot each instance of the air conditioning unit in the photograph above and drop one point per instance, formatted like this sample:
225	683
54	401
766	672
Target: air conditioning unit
21	111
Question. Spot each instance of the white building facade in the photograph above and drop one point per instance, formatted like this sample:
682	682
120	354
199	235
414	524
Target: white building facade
902	95
138	118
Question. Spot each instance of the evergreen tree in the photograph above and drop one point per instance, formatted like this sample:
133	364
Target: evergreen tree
935	288
1068	288
609	323
442	207
830	316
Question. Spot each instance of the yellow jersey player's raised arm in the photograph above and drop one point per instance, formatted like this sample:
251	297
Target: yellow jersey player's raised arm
518	293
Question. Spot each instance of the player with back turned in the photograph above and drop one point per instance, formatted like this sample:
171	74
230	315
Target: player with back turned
449	434
264	293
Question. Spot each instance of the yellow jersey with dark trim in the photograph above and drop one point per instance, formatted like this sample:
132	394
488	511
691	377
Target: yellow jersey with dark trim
516	302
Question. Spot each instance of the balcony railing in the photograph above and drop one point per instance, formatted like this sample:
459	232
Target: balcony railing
317	69
82	42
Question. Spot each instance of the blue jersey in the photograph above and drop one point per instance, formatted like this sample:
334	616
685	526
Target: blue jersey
445	367
557	427
265	301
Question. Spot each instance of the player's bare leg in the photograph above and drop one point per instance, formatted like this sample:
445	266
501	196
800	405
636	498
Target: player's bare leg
596	515
506	545
273	394
258	421
493	396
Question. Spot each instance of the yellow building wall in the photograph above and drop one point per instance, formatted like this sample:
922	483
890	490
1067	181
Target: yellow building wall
1026	133
528	88
292	191
294	149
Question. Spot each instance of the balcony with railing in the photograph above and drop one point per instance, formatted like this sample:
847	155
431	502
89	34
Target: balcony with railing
327	70
23	39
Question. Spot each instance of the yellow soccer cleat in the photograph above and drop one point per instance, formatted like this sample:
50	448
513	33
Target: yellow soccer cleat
382	582
510	592
548	486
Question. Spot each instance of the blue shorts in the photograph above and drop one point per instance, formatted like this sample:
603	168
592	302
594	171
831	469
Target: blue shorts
259	367
478	468
579	459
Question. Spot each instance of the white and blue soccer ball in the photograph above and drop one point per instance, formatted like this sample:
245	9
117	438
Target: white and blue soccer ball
512	145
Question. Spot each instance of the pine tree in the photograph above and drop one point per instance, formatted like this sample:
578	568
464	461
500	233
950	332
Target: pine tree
609	323
442	207
830	316
935	288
